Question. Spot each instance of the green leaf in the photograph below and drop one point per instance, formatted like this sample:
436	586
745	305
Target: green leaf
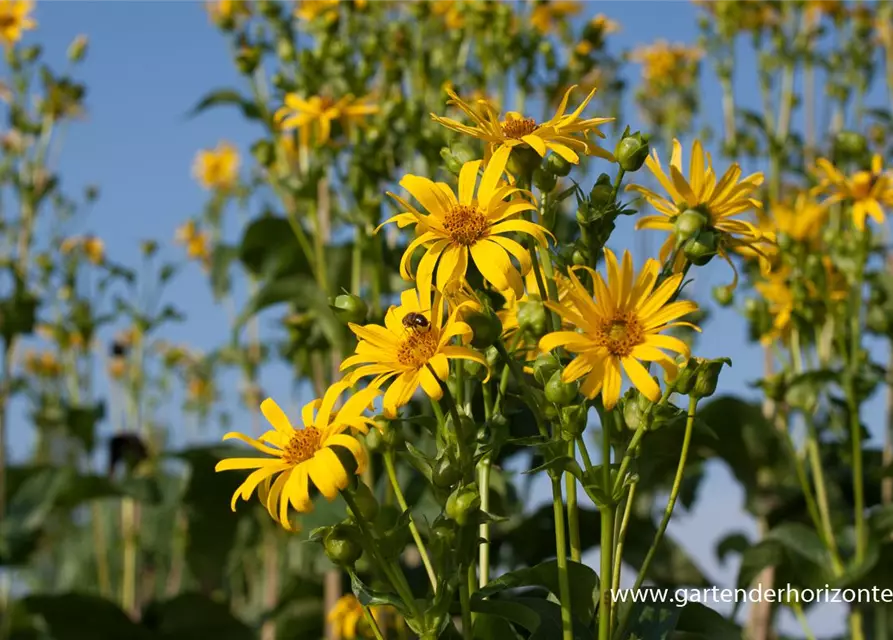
18	314
223	97
489	627
755	559
33	492
651	620
541	617
193	615
699	622
82	420
269	248
77	616
221	260
368	596
732	543
800	540
545	575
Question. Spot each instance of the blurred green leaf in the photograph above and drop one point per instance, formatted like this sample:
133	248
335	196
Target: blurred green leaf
77	616
225	97
193	615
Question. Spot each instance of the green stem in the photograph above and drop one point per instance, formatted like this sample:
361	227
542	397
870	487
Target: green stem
465	601
621	536
606	551
564	584
370	619
573	513
484	551
801	618
587	461
853	406
414	530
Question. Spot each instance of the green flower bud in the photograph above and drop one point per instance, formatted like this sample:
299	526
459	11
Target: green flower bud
474	369
802	396
486	327
632	151
701	250
560	392
708	377
78	48
263	152
544	180
493	357
248	59
463	503
685	377
32	53
850	145
724	295
774	386
584	213
374	441
523	161
451	163
573	421
601	195
342	545
366	504
445	532
445	473
532	317
557	165
544	366
349	308
579	258
689	224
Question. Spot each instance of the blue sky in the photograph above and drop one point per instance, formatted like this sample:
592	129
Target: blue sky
149	62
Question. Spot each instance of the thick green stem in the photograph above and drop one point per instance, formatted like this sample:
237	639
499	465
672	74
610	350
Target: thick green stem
414	530
370	620
621	536
465	603
484	550
606	552
573	513
564	584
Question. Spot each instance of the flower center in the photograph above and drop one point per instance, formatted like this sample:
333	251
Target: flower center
301	446
8	20
518	128
465	224
620	334
418	348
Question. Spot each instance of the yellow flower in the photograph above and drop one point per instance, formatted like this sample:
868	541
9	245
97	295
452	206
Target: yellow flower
619	326
604	24
451	11
223	11
303	456
668	64
195	241
870	190
546	15
802	221
347	617
557	134
776	291
314	116
508	316
91	246
472	223
217	168
43	364
15	17
404	353
720	201
310	10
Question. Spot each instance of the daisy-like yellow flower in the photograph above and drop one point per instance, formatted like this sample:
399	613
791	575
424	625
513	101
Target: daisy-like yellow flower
15	17
801	220
301	457
313	117
92	247
347	617
668	64
547	14
870	191
618	327
402	350
470	224
777	293
719	201
559	134
195	241
218	168
451	11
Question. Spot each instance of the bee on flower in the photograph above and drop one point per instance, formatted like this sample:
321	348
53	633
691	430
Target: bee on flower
869	190
618	327
15	18
313	117
217	169
299	458
412	349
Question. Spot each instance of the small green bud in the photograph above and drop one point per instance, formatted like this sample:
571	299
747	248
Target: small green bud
584	213
701	250
473	369
78	48
374	440
342	546
774	386
685	377
632	151
601	195
366	503
532	317
486	327
724	295
523	161
445	532
452	164
445	473
573	421
802	396
463	503
32	53
560	392
544	366
544	180
349	308
850	145
263	152
689	224
579	258
708	377
493	357
248	59
557	165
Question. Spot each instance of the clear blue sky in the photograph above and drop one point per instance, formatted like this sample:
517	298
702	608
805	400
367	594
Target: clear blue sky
149	62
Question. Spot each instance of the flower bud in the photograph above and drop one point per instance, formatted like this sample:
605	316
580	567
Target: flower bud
579	258
850	145
349	308
485	326
708	377
544	366
689	224
523	161
573	421
78	48
263	152
365	501
560	392
557	165
544	180
248	59
602	192
532	317
445	473
685	377
342	545
632	151
724	295
463	503
774	386
700	250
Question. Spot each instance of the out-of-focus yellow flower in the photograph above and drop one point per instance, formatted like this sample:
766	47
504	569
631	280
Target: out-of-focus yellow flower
668	64
452	12
43	364
347	617
474	225
91	246
195	241
218	168
557	134
802	220
404	350
313	117
303	456
547	14
226	11
619	326
870	191
200	389
15	17
720	201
